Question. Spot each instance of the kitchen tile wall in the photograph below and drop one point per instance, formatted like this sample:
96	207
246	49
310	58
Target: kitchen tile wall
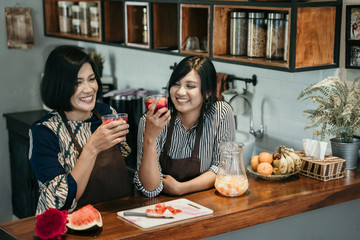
274	98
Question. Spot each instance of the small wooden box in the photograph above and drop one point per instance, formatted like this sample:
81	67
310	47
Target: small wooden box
328	169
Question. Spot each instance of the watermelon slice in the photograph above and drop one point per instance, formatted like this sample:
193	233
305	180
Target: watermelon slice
162	209
84	219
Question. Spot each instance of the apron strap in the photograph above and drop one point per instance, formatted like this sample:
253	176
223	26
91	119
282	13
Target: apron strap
199	129
77	145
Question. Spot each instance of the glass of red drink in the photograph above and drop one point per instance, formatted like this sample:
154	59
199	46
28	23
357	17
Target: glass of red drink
113	117
163	101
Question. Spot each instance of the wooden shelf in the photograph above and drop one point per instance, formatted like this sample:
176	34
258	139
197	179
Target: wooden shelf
313	28
134	28
51	21
315	42
165	20
114	30
221	34
189	15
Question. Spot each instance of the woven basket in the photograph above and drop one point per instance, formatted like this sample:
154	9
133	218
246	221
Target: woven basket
328	169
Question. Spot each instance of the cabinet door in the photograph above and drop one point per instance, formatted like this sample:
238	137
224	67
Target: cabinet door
24	185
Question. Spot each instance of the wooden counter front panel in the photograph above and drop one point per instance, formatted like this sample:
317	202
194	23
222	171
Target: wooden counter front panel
315	36
264	201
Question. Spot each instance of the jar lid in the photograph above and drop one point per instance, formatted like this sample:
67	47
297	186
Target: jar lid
75	21
275	16
94	10
65	3
256	15
86	4
75	8
238	14
94	24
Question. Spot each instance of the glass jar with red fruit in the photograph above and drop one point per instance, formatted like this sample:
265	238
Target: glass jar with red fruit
163	101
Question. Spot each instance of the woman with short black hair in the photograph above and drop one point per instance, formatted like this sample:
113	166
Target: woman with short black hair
178	148
76	159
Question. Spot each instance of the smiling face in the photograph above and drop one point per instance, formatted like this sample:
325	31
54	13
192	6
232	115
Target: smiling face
84	98
186	94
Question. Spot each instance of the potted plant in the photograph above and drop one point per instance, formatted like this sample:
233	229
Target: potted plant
337	114
98	60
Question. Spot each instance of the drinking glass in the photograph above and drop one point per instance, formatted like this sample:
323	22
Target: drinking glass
163	101
112	117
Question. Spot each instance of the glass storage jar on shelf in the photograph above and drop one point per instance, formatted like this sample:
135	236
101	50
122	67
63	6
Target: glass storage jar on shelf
85	17
76	26
275	36
145	26
94	28
256	35
64	11
94	14
286	41
76	29
238	33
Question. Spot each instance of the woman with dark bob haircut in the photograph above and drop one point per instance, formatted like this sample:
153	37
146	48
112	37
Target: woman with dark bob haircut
76	159
178	148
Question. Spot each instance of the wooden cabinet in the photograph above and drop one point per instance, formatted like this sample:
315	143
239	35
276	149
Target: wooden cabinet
313	30
55	20
24	186
173	26
352	37
194	29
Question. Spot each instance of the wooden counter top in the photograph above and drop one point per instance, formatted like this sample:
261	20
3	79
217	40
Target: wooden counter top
264	201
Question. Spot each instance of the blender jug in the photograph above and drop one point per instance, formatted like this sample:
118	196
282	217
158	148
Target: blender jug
231	179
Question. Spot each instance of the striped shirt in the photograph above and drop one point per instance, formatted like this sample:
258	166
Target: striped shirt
218	126
53	155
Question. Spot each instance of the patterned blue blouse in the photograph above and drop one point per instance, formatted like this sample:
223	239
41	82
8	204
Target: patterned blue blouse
53	155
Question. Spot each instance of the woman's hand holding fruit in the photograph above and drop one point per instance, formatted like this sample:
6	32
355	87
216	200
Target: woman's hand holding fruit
156	120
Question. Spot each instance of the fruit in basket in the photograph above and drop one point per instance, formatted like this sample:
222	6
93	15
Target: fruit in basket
294	156
265	157
289	161
283	161
265	168
254	162
276	163
84	219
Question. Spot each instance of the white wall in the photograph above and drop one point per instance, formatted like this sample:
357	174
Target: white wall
274	97
19	91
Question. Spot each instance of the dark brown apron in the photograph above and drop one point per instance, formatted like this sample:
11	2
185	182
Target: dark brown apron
109	178
182	169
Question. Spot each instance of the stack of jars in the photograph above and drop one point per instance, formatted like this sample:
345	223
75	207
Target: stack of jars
65	15
258	35
81	19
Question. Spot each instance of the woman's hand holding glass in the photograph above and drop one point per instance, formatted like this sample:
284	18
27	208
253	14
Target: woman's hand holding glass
109	134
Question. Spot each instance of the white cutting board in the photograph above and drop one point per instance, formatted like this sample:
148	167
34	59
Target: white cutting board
189	210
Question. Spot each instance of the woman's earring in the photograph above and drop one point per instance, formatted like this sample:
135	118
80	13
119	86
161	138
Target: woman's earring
206	102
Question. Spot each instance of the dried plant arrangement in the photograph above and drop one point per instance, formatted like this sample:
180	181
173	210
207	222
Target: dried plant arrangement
338	108
97	58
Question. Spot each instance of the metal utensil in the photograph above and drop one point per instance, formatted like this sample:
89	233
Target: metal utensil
150	215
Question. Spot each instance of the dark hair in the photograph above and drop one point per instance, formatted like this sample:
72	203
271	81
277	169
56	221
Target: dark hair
60	76
206	70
